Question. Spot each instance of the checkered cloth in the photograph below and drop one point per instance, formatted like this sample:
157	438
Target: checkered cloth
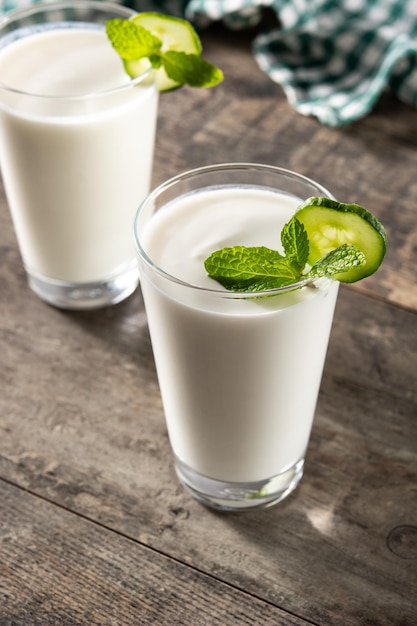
333	58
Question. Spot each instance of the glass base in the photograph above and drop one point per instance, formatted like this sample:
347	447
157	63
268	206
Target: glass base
239	496
81	296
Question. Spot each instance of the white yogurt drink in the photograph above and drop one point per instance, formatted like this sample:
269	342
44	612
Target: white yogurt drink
76	149
239	375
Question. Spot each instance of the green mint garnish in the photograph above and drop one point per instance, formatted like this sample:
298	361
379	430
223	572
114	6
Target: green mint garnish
134	42
189	69
294	240
252	269
337	261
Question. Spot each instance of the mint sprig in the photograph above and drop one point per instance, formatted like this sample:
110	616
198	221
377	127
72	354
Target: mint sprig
250	269
189	69
257	268
337	261
295	242
133	42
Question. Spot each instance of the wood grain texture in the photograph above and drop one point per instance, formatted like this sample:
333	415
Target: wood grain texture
97	445
62	569
90	509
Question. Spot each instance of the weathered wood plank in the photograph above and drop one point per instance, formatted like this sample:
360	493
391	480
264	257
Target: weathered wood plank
57	568
86	430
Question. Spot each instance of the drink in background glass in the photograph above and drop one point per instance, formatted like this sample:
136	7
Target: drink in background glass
76	149
239	375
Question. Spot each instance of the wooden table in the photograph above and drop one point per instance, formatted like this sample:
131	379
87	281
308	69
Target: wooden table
94	526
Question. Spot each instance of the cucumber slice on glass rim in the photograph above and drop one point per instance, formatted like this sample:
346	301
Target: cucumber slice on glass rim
330	224
175	33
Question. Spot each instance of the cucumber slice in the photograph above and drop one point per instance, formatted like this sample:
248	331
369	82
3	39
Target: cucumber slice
330	224
175	33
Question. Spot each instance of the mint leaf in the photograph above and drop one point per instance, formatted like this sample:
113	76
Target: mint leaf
190	69
131	42
249	269
337	261
257	268
295	242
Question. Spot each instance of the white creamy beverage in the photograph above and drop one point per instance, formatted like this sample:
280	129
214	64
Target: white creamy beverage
239	378
75	169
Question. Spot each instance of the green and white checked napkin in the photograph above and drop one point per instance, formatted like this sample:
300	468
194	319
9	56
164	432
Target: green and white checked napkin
333	58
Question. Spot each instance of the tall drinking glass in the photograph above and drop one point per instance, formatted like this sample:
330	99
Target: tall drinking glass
239	373
76	150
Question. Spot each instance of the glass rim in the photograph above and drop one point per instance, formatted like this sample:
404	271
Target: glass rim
54	5
171	182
